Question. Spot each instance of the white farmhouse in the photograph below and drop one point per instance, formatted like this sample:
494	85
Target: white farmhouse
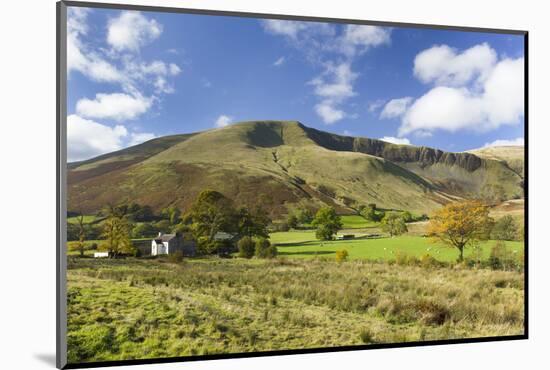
171	243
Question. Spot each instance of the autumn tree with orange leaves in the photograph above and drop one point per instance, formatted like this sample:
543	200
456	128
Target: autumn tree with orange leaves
461	224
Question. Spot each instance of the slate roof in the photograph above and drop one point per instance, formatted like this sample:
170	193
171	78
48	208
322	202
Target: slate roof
165	238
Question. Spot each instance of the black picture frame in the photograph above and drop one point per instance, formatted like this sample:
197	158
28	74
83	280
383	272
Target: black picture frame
61	174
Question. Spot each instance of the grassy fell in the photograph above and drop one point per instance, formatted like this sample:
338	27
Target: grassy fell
127	309
286	161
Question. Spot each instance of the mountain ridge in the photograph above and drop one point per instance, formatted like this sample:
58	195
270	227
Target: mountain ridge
289	162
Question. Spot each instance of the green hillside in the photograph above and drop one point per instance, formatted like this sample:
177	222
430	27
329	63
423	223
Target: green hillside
281	163
512	156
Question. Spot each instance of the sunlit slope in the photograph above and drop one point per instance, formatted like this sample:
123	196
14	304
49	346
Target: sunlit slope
513	156
280	164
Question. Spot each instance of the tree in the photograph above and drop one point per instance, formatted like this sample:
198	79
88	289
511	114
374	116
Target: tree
172	214
304	216
371	213
116	232
394	224
81	233
327	222
144	230
140	213
292	221
505	229
246	247
253	223
72	231
461	224
163	226
264	249
210	213
407	216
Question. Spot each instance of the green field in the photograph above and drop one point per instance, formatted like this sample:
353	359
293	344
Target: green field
302	244
120	309
88	219
356	222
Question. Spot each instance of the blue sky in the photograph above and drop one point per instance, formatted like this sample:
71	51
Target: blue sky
133	76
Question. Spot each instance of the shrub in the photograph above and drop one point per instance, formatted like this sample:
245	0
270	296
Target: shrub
407	216
176	257
401	258
505	228
500	256
272	251
428	261
342	255
264	249
366	336
432	313
246	247
261	247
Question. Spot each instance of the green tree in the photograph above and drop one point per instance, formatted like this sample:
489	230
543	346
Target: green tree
304	216
327	222
116	232
264	249
144	230
210	213
163	226
253	223
505	229
394	224
246	247
371	213
172	214
292	221
407	216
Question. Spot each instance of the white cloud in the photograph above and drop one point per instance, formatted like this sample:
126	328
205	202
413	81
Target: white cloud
473	90
443	65
503	142
336	82
328	113
358	38
223	121
396	107
79	58
279	62
128	70
396	140
374	105
323	45
174	69
86	138
296	30
333	86
500	102
117	106
131	30
140	137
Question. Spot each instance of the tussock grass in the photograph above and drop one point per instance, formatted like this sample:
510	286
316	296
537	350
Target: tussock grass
127	309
